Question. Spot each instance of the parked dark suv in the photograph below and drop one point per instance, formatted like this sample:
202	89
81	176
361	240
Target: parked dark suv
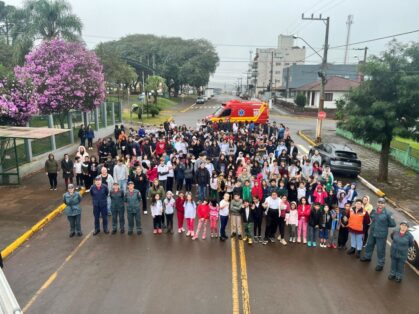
340	158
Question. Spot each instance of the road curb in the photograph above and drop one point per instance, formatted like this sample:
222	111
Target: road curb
34	229
370	186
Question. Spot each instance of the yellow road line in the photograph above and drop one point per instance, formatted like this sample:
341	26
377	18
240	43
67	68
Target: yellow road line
234	278
54	275
305	150
245	285
34	229
188	108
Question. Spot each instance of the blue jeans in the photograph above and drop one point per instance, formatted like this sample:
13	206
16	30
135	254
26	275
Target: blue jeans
312	234
356	240
100	211
202	190
223	221
123	185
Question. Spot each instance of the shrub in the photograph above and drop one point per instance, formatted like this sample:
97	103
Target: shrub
300	100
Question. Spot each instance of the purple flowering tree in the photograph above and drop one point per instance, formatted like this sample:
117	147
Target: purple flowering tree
65	76
17	102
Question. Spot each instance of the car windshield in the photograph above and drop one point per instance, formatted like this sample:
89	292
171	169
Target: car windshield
218	111
345	154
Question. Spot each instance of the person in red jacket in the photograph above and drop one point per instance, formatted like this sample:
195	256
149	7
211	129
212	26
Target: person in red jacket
303	217
180	212
203	218
257	190
152	174
319	195
160	147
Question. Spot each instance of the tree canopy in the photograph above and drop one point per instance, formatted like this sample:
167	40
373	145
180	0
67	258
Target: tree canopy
64	76
386	104
178	61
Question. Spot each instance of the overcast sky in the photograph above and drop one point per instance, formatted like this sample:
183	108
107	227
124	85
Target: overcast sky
248	24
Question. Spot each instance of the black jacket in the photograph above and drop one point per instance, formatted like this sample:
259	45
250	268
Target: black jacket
202	176
315	218
67	168
251	217
258	211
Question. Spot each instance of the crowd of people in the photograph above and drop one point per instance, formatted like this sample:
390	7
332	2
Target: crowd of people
251	175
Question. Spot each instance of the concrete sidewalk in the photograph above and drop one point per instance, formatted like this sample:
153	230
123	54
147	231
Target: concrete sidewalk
403	182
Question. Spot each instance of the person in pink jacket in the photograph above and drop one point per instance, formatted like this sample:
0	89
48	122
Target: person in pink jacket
319	195
291	220
303	216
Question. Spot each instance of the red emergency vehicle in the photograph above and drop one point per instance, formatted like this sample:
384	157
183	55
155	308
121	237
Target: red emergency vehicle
241	111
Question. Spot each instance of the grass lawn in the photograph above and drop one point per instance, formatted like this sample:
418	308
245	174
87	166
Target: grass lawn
411	142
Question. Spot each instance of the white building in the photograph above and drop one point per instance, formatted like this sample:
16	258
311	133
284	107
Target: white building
336	88
270	63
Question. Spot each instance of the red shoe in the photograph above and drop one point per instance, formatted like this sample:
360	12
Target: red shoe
329	245
334	246
155	231
160	231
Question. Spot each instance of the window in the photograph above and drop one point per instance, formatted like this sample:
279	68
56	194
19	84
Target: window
278	64
225	113
328	97
277	72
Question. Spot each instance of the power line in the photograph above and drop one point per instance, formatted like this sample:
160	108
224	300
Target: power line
376	39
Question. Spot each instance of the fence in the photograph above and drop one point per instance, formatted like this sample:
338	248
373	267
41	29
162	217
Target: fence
402	152
108	114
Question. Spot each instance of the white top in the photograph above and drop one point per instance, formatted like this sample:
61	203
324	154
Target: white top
163	169
171	171
190	209
214	183
156	209
224	207
169	205
77	167
273	203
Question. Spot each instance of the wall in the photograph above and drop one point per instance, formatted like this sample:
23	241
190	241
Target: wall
306	111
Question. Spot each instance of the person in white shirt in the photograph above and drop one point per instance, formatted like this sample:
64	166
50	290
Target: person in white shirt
272	204
224	211
120	175
163	171
169	206
78	172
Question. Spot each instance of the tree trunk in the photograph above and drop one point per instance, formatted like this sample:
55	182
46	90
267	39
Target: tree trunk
383	166
155	98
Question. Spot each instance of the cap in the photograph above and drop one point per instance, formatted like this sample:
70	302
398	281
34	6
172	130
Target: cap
130	182
404	222
381	200
70	186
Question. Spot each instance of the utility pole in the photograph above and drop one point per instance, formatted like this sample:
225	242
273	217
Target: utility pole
322	74
272	71
349	22
363	62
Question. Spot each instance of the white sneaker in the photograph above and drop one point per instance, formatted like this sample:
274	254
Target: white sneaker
279	238
88	190
145	212
283	242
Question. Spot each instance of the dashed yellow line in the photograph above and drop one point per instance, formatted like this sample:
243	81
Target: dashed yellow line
234	278
54	275
245	284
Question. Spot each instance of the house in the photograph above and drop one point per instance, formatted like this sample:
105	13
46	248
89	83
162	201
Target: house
336	88
298	75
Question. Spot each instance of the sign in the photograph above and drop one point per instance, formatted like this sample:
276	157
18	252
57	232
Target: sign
321	115
241	112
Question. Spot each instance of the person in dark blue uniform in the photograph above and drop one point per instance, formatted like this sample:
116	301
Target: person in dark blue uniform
99	193
381	220
402	241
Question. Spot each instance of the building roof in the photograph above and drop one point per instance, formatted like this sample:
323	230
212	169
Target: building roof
333	84
301	74
28	133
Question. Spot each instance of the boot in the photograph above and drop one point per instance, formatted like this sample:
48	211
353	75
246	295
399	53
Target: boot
250	241
358	254
351	251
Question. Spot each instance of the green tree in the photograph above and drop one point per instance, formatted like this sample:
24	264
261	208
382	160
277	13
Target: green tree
300	100
385	105
116	70
155	84
7	13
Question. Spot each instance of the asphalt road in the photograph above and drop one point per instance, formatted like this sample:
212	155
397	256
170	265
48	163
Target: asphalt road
173	274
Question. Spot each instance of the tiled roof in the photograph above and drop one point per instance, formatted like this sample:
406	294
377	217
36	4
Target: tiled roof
333	84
